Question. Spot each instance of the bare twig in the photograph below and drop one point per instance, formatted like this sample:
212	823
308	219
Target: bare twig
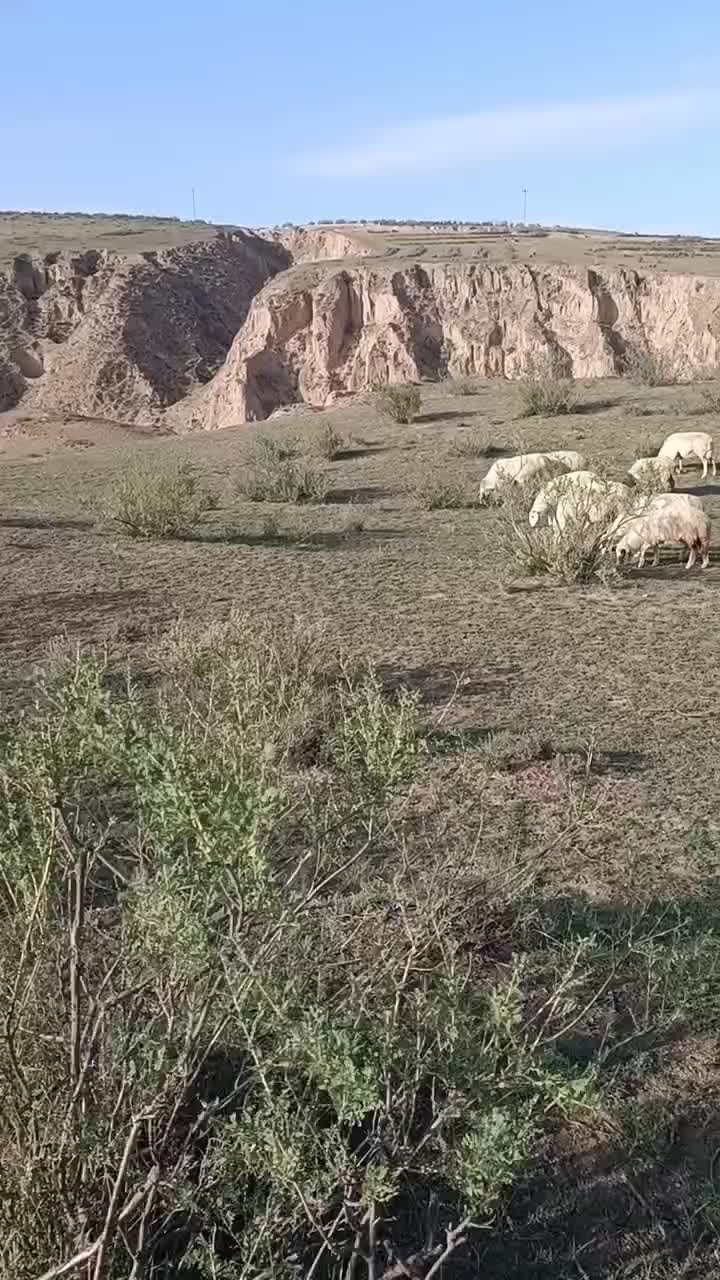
454	1238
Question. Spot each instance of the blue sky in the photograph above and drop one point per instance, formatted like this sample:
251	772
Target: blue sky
297	111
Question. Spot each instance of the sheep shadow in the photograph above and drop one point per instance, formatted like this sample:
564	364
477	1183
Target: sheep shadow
588	407
343	497
44	522
702	489
439	416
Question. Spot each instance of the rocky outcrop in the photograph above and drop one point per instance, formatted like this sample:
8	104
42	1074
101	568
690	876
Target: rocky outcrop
313	335
105	334
319	244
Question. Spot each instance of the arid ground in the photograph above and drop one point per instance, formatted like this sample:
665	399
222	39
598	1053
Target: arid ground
588	714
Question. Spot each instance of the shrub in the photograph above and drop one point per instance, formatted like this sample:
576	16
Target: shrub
323	440
475	443
650	368
434	491
711	399
545	391
273	476
577	554
463	386
235	987
159	500
399	403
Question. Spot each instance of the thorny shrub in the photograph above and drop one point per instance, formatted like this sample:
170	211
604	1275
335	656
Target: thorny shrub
400	403
275	475
545	390
247	1024
160	499
577	554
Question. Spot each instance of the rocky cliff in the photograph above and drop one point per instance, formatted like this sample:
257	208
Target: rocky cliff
315	334
229	329
106	334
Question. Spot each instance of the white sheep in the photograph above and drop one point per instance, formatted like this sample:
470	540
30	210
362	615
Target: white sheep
520	469
644	469
689	444
547	499
593	504
669	518
573	461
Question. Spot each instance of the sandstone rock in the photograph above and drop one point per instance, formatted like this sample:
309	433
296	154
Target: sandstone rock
316	333
108	335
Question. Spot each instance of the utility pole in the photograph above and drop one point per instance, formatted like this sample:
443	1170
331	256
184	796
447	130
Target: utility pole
193	200
524	191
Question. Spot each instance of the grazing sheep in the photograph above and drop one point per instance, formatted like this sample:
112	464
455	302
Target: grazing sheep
668	518
573	461
546	502
520	469
689	444
647	469
594	504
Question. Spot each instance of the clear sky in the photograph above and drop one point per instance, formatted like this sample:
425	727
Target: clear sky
294	110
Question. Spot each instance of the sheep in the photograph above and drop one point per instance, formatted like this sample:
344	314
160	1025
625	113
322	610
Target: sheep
593	504
675	517
645	469
573	461
686	444
547	499
520	469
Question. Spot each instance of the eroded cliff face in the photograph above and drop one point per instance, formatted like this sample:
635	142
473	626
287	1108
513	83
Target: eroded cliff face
227	330
105	334
313	335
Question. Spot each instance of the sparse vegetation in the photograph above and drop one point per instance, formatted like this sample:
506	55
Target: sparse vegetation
322	439
577	554
244	1025
650	368
477	442
545	391
434	491
159	499
710	399
366	950
399	403
274	475
463	386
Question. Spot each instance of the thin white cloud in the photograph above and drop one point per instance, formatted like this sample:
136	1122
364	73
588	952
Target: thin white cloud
452	142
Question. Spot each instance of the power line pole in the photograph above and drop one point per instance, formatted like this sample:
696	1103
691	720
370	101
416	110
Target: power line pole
524	191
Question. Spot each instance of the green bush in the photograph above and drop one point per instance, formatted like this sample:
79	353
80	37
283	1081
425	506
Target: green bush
545	391
274	475
322	439
476	443
435	491
576	555
238	1025
159	499
399	403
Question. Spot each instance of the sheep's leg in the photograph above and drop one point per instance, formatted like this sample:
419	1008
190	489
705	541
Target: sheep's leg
712	459
692	557
656	555
641	558
705	564
705	468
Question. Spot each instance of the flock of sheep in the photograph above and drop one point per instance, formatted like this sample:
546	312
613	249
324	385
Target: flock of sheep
633	521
